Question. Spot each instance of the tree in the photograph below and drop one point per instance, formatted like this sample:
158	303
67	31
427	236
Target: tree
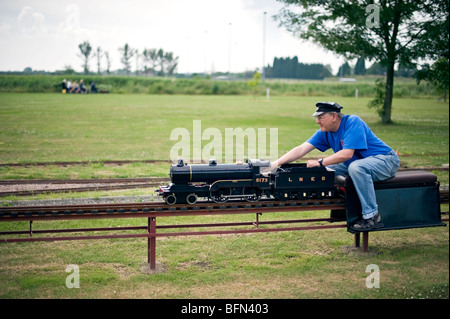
376	69
254	83
150	60
99	55
138	57
127	53
437	74
160	59
291	68
166	61
436	48
86	51
344	69
68	70
108	62
170	62
360	67
385	31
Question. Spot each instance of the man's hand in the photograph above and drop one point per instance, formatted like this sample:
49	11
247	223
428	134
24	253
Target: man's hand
312	163
274	166
265	171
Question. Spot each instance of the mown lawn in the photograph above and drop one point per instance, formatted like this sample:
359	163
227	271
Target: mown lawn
314	264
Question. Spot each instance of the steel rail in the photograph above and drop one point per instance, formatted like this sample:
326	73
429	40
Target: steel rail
102	184
83	181
159	209
78	189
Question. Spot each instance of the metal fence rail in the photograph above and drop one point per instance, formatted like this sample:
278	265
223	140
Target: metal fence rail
152	211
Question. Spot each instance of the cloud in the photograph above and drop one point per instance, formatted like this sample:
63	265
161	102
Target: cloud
46	34
30	20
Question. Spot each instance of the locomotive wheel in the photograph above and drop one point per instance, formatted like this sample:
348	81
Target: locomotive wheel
219	196
171	199
191	198
251	197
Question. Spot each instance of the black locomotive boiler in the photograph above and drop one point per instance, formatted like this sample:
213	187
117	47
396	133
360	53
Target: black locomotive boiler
246	181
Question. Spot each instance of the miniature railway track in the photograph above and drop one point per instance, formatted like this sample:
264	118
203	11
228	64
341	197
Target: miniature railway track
117	162
160	209
34	187
88	211
44	186
82	181
118	210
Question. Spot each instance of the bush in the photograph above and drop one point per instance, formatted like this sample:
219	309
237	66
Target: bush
200	86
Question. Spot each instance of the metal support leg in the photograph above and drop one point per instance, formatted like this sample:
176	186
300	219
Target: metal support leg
365	241
357	239
152	242
31	231
257	220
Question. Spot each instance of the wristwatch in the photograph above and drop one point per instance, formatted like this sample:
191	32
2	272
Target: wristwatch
320	160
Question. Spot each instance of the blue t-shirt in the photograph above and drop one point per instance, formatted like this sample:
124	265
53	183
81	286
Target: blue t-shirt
353	133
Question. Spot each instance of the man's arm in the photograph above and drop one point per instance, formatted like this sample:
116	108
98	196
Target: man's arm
294	154
338	157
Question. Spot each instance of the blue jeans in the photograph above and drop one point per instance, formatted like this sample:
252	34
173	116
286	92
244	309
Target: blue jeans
364	172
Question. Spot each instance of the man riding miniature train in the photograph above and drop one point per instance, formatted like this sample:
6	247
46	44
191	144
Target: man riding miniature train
359	153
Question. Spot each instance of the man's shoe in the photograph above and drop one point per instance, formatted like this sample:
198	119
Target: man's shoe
368	224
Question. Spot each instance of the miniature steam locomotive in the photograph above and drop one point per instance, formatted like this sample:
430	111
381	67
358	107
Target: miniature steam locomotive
222	182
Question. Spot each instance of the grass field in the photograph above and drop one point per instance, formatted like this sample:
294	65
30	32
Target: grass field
315	264
51	128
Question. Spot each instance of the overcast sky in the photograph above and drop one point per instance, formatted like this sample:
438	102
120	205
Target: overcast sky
206	35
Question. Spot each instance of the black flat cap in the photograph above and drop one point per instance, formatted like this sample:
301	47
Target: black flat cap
324	107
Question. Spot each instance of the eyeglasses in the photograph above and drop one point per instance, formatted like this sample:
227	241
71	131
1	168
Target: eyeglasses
320	117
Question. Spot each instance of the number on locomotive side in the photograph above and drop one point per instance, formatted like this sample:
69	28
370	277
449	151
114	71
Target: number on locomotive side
262	180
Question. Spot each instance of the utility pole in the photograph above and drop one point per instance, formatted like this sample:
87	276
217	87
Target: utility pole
229	53
206	53
264	48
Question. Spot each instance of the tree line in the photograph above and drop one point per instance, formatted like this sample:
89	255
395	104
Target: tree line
149	61
375	69
290	68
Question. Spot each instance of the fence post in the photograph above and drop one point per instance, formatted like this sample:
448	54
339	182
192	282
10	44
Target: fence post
151	229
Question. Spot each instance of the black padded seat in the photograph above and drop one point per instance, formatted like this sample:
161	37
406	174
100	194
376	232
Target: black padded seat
410	199
401	178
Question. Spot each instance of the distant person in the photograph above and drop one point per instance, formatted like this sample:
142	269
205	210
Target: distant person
75	88
93	88
64	86
68	86
83	88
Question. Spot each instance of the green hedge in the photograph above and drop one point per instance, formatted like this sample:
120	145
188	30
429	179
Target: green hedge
156	85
